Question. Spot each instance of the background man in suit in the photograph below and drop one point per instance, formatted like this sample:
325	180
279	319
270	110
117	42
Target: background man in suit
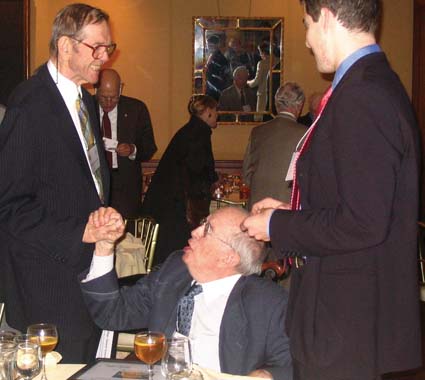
237	320
129	140
313	105
271	145
54	173
238	97
353	309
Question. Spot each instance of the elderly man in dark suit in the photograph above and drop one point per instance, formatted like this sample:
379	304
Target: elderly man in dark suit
129	140
54	173
353	310
271	145
237	323
238	97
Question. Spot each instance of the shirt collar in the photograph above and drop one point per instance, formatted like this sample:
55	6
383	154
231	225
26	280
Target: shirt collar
287	114
351	59
220	286
65	86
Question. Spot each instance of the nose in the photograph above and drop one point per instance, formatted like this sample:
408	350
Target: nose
197	232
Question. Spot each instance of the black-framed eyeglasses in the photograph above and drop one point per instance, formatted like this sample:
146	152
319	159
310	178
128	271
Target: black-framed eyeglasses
209	231
99	50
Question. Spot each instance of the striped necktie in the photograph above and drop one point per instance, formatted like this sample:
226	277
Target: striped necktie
87	131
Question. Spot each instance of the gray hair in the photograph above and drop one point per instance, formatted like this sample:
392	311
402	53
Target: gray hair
238	70
250	250
71	20
290	96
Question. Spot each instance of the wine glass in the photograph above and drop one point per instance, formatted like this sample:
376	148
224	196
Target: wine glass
149	348
48	335
28	360
177	361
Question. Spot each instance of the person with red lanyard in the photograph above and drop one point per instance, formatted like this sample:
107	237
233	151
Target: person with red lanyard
353	308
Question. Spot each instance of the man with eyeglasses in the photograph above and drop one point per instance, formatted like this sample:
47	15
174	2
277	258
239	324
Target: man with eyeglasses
236	321
54	174
128	138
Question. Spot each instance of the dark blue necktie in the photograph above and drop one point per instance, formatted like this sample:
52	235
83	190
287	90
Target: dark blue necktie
185	309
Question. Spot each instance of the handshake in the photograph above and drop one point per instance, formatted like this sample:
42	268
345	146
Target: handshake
104	227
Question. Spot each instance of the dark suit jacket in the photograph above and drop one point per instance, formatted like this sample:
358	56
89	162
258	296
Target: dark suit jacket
251	333
133	127
267	157
306	119
46	195
354	310
186	170
230	100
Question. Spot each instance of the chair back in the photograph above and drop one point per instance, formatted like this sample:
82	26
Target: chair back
146	229
421	252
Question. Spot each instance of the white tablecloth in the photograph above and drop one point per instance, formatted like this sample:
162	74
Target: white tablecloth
61	371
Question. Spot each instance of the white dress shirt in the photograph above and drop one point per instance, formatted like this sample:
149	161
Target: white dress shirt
206	321
113	118
70	92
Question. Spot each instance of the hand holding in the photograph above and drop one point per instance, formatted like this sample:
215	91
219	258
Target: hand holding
264	374
104	224
124	150
269	203
257	225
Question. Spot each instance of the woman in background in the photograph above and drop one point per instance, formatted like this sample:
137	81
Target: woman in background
180	191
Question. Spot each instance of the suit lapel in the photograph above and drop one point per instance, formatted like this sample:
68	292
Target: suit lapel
65	127
233	337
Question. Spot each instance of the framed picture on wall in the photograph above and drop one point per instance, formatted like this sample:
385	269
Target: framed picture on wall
239	62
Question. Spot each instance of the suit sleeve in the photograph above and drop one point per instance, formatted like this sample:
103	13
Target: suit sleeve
114	308
145	141
279	361
247	164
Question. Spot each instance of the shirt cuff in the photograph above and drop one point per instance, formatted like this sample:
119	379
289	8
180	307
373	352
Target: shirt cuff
100	265
132	156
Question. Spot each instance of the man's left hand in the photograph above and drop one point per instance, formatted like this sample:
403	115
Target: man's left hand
261	373
124	150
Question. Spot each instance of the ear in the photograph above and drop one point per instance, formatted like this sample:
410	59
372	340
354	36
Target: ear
327	19
64	47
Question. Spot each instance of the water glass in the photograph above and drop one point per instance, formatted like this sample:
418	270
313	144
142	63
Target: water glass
7	352
177	361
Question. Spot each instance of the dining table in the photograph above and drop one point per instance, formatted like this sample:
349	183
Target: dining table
65	371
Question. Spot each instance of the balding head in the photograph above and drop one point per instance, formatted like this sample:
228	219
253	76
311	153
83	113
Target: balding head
289	98
108	89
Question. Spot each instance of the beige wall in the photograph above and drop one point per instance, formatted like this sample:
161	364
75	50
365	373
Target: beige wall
155	55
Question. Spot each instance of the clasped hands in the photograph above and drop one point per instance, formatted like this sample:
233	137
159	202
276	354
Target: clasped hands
104	227
257	223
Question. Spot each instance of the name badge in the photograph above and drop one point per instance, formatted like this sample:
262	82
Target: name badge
291	168
94	158
246	108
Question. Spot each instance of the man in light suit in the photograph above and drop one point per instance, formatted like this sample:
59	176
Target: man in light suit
128	141
54	173
237	325
353	310
270	148
238	97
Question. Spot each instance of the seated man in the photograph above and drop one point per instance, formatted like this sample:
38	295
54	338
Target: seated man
237	325
238	97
